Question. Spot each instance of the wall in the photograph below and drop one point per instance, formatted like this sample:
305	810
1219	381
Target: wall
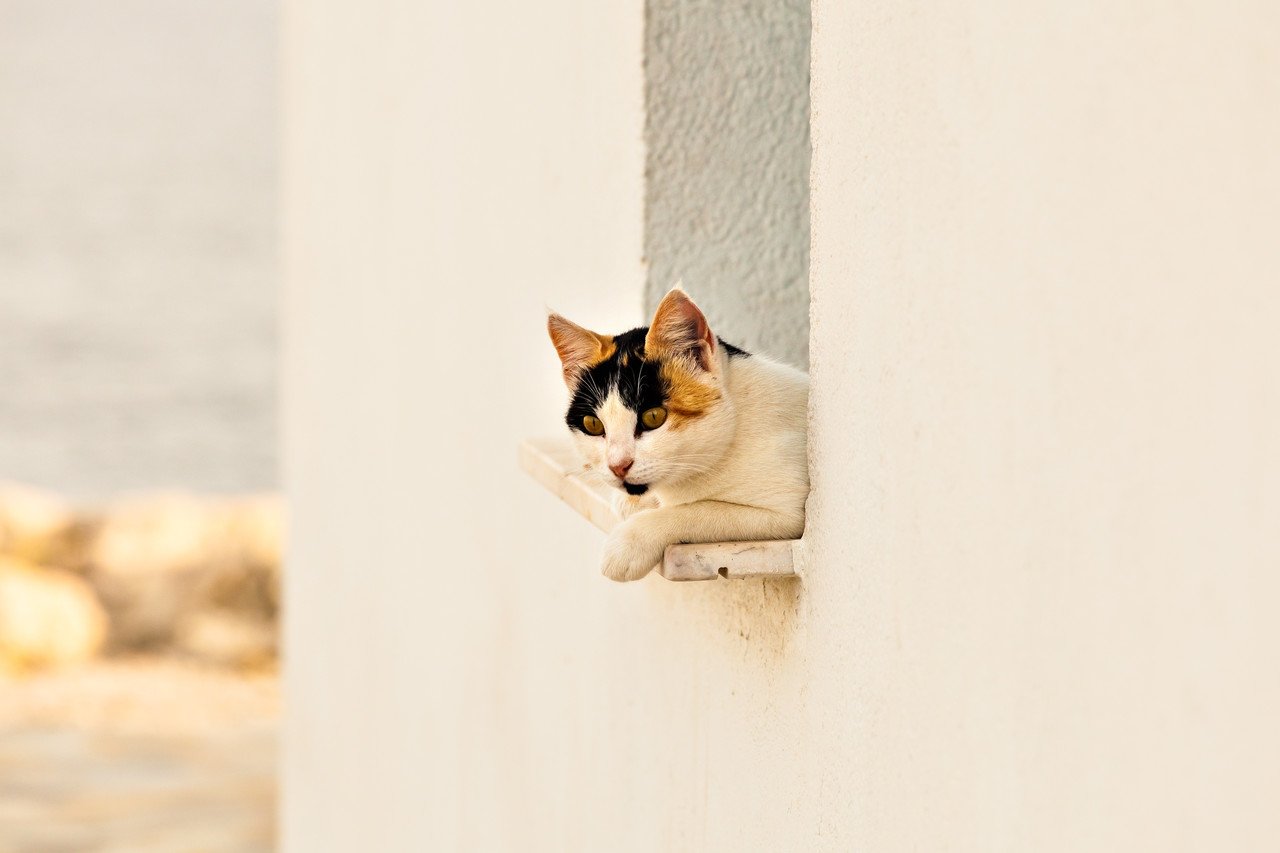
449	172
459	675
727	166
1046	425
1044	422
137	244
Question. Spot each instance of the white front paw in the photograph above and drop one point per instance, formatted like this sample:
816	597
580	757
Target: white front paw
631	552
626	505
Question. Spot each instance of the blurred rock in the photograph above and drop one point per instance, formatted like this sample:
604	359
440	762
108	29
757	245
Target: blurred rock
161	534
144	562
227	639
33	523
200	576
255	529
249	557
158	563
47	617
144	607
177	531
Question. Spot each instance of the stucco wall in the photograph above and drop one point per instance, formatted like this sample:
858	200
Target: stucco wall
1046	425
727	166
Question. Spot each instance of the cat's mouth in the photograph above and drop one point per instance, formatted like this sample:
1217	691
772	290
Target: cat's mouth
635	488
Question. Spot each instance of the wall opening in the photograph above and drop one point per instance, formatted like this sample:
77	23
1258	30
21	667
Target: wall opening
727	166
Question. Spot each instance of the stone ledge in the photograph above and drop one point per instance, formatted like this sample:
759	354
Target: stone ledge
552	463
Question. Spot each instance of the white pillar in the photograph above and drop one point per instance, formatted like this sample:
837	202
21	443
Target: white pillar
450	170
1046	425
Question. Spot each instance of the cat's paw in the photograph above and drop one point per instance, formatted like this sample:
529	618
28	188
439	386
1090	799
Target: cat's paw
626	505
631	551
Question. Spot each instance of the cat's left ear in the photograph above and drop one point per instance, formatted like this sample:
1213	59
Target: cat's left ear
680	330
578	348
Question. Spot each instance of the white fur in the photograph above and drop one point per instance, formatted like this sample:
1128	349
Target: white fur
738	472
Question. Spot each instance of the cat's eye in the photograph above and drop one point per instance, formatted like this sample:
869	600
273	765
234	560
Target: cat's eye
653	418
592	425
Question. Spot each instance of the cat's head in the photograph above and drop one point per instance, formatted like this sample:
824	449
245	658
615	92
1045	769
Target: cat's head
649	406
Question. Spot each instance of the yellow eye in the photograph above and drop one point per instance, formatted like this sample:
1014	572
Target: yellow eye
592	425
654	418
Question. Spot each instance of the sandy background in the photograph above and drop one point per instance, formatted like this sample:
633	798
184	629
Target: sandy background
137	353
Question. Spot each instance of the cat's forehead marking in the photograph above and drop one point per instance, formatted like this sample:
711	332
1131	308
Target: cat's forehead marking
617	417
637	382
642	384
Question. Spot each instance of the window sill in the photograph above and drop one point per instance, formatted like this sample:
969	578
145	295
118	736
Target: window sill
553	464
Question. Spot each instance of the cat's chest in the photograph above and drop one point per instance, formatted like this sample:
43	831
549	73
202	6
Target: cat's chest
701	489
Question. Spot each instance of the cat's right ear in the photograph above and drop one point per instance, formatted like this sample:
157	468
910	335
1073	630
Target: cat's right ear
579	348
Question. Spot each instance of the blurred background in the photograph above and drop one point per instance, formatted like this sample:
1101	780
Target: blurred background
140	537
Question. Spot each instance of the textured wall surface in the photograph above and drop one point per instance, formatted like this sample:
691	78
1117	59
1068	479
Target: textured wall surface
1046	426
137	244
727	166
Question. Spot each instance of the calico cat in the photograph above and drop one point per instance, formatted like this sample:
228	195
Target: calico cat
705	442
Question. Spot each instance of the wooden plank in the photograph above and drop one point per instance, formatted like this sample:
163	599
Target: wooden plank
554	464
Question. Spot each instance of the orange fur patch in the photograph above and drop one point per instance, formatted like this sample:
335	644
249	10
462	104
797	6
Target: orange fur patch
688	397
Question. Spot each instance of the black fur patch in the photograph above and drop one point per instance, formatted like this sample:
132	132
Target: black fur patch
636	379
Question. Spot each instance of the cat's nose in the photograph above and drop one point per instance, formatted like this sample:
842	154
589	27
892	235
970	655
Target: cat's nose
620	470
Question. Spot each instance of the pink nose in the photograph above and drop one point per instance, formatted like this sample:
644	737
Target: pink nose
620	470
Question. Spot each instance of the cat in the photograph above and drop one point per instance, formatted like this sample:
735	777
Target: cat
704	441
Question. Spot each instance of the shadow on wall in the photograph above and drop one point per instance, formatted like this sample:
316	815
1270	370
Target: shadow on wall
756	618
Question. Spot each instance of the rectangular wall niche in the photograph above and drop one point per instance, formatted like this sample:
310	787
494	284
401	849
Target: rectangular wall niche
727	166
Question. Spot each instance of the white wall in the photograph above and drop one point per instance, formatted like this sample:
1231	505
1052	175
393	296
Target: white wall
449	172
1046	425
1038	610
459	675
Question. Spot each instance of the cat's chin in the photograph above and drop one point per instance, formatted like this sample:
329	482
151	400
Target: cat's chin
636	489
